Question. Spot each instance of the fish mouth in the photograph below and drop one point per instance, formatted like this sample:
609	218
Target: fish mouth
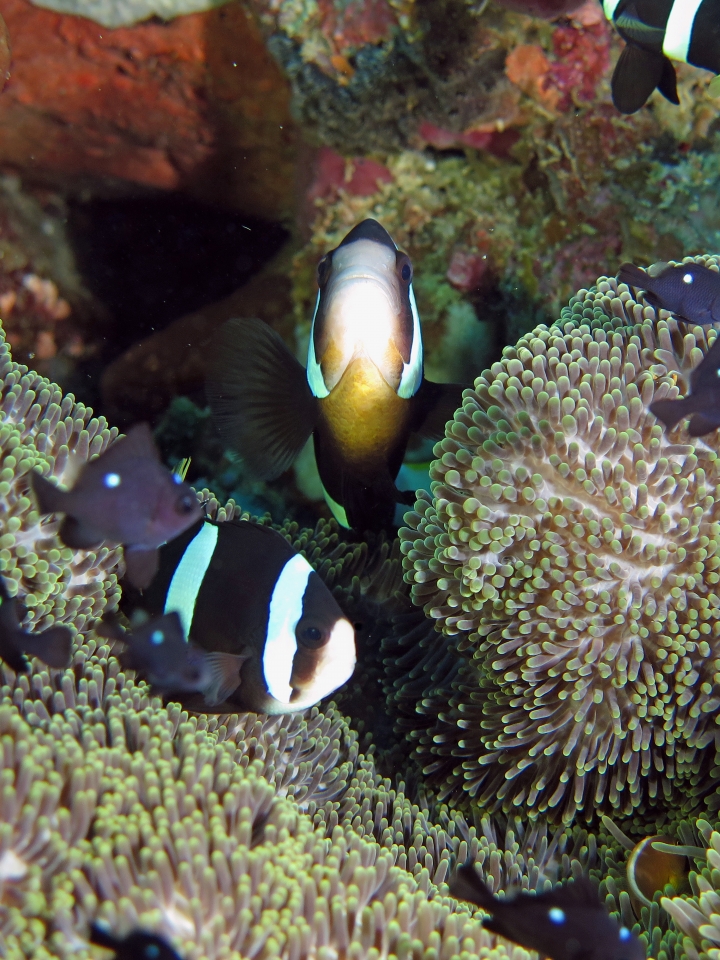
362	313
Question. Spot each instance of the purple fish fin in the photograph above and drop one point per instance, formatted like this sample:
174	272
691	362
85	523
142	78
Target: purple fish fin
701	424
670	412
466	884
435	404
75	534
633	276
11	654
53	646
224	670
50	498
636	75
579	892
141	566
260	398
110	626
138	443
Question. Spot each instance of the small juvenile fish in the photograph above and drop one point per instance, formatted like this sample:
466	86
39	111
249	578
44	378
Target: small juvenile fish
52	646
567	923
690	290
273	637
125	495
137	945
703	401
362	395
159	652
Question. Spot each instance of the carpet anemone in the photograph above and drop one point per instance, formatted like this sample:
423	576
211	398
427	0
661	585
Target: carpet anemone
570	550
42	429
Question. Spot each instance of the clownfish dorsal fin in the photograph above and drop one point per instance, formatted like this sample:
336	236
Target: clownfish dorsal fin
259	394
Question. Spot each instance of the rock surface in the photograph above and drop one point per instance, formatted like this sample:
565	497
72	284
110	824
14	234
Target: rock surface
196	105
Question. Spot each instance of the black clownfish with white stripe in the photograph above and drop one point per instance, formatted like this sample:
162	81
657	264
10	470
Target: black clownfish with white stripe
656	33
362	395
275	637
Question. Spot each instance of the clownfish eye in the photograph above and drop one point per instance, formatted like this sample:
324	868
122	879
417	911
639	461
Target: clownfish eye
405	269
323	270
186	504
311	636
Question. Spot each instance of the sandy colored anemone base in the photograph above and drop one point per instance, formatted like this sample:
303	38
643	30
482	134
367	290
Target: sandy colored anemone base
42	429
571	548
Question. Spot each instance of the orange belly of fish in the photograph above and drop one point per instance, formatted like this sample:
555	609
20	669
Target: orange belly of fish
364	415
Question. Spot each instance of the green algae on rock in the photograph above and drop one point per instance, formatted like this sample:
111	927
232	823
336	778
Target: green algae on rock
42	429
570	548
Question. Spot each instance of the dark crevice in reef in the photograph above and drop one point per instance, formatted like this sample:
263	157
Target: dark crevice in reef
152	259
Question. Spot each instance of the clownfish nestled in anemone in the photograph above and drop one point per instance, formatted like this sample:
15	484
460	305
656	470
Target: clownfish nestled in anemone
265	632
362	395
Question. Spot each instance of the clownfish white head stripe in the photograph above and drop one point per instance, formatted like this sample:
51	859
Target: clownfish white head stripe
286	607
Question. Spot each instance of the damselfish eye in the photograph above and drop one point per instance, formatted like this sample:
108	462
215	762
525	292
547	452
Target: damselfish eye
323	270
311	636
186	504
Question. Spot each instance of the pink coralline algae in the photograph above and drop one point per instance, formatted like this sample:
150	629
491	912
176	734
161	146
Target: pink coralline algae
467	270
353	24
582	58
358	176
497	142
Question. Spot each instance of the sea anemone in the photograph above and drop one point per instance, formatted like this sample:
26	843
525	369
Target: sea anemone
42	429
570	549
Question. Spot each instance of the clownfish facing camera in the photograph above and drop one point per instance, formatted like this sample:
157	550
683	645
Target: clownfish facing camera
363	392
266	634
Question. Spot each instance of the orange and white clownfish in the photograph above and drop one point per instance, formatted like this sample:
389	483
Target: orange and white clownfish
362	395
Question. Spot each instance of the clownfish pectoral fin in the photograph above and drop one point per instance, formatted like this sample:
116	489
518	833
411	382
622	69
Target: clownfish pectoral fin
637	74
370	506
435	405
223	675
140	566
260	397
668	82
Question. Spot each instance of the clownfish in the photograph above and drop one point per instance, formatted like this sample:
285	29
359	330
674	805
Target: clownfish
265	633
656	33
125	495
362	395
567	923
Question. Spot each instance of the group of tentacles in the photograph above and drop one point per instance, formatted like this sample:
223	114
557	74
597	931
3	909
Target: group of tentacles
554	656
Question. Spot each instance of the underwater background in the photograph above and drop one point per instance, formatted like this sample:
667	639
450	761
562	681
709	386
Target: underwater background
539	694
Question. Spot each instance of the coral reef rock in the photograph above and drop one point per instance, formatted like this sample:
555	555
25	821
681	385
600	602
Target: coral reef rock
195	105
570	548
